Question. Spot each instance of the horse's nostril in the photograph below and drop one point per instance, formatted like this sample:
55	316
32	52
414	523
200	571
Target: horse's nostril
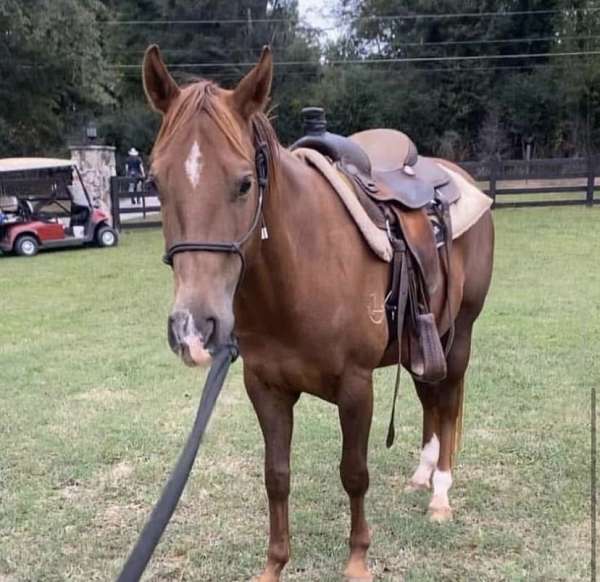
185	330
171	334
178	325
211	325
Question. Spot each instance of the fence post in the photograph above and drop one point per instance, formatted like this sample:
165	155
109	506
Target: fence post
591	179
493	174
142	193
114	203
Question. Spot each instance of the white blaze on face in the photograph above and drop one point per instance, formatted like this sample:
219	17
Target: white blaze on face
194	164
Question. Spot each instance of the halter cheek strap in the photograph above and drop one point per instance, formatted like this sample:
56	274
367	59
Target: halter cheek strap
234	247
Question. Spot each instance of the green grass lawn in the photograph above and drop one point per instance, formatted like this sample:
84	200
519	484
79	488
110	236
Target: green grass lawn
94	409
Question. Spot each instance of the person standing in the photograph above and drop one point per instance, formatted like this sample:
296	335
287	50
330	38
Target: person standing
134	169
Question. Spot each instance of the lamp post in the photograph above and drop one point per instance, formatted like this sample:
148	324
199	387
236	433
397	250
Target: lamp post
91	131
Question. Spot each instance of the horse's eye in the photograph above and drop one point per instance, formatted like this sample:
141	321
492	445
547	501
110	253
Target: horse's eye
245	185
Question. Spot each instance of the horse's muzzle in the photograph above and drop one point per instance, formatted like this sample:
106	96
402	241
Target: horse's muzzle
191	343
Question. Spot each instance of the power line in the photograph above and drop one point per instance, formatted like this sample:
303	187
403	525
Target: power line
375	61
496	41
400	44
451	70
246	21
477	14
308	74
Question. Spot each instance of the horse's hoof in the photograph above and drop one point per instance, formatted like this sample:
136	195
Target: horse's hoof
357	572
413	486
440	515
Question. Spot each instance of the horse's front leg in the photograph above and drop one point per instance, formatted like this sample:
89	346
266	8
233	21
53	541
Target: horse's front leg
355	405
274	409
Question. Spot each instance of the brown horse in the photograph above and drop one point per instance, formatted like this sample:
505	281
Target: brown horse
301	306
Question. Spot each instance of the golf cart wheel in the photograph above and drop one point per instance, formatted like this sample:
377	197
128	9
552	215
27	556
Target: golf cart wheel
106	237
26	246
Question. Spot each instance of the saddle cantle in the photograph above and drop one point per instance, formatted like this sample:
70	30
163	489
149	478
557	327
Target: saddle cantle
387	149
401	173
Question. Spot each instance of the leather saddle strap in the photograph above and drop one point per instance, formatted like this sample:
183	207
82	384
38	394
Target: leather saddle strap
400	254
447	225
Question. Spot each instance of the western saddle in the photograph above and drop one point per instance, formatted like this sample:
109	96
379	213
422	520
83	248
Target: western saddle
409	196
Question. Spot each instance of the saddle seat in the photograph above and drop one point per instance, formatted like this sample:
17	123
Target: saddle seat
400	173
388	149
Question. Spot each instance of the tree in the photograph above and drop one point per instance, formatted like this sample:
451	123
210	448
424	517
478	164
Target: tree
528	95
52	70
64	61
493	142
218	49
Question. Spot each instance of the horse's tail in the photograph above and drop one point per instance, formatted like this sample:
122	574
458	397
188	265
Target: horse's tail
458	428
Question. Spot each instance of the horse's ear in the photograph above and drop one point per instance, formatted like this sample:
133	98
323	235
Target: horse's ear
252	93
159	86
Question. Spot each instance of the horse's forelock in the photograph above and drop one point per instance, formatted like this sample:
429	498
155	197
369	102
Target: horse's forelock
180	113
202	95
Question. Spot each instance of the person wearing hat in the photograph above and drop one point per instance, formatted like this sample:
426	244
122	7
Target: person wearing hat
134	169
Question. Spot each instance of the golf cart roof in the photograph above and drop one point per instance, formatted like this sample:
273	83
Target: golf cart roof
25	164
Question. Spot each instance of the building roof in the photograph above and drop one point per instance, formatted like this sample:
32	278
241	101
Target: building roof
23	164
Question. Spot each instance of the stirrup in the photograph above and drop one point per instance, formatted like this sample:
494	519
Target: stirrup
429	365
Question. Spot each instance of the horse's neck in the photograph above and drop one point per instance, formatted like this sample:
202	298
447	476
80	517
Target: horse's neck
291	197
294	213
311	277
291	212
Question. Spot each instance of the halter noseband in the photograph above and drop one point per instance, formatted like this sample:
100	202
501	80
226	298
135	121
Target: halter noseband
262	175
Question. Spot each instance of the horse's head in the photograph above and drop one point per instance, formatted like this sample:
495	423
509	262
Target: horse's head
204	171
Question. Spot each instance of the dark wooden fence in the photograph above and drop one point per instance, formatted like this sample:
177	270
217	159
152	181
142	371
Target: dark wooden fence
510	183
145	212
519	183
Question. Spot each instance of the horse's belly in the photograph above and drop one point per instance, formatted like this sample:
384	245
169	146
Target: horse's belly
318	364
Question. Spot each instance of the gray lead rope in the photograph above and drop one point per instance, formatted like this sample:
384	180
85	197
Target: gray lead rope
401	254
163	510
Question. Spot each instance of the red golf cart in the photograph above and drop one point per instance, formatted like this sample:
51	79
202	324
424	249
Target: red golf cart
44	204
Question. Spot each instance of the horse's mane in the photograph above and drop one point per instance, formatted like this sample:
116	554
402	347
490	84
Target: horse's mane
202	95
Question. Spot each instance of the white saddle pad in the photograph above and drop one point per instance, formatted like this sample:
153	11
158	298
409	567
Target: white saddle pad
470	207
464	213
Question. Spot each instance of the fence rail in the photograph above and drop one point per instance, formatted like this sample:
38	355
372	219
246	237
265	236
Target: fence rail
510	183
133	205
521	178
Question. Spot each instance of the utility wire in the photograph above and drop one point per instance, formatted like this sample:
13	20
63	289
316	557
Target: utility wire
532	39
226	77
476	14
375	61
246	21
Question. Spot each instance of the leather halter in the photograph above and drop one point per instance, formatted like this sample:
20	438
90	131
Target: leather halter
262	176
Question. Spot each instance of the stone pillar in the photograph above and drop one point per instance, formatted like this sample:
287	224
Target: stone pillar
97	165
